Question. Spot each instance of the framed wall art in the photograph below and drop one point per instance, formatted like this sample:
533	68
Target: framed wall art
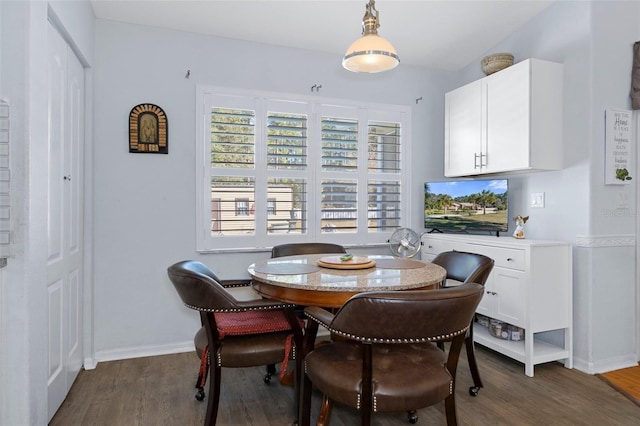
618	155
148	130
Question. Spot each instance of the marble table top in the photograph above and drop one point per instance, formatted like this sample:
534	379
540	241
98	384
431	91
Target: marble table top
304	273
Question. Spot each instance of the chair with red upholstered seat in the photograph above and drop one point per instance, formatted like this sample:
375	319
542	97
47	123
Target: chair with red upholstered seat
234	333
383	365
293	249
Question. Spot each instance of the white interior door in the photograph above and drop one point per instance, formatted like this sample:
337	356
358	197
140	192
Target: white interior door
64	263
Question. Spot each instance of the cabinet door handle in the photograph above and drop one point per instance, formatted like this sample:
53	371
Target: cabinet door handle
486	158
475	160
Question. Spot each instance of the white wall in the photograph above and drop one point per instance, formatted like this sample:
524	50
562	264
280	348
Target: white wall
594	42
145	203
614	236
559	34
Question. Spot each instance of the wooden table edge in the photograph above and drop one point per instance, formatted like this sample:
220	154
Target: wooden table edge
322	298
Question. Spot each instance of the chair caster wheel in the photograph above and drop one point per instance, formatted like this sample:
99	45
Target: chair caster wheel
473	390
200	394
412	416
267	378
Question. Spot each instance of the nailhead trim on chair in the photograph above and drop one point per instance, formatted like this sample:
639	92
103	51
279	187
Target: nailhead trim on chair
392	340
219	359
375	399
375	403
248	284
258	308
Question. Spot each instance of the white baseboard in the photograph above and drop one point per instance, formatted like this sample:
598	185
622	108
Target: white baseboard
144	351
606	365
139	352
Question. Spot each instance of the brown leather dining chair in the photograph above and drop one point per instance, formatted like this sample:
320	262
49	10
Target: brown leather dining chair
234	333
292	249
382	365
463	267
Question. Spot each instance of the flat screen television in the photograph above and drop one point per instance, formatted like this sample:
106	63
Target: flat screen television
467	205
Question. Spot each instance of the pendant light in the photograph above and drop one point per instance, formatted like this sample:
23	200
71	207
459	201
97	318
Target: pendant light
370	53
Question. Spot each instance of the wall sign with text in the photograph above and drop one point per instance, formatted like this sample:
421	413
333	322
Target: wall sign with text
148	130
619	162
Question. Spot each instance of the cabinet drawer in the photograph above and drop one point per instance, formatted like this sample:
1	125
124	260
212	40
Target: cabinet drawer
434	246
504	258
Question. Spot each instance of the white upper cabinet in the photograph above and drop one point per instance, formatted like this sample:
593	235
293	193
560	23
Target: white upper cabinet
508	121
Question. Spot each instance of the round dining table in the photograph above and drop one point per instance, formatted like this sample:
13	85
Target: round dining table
324	280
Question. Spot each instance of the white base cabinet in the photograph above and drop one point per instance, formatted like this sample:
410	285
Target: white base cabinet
530	287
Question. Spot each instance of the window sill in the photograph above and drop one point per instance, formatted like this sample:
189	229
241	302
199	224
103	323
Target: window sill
268	249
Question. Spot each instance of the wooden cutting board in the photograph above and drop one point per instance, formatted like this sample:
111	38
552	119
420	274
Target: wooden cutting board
356	262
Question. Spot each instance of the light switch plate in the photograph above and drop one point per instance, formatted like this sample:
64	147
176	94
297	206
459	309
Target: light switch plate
537	200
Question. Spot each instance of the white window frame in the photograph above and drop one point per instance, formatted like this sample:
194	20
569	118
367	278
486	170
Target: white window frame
315	108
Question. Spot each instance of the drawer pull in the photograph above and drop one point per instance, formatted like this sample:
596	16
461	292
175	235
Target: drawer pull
509	259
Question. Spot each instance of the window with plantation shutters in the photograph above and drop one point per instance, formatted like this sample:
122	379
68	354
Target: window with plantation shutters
232	138
383	145
232	164
286	141
339	144
287	172
383	163
278	170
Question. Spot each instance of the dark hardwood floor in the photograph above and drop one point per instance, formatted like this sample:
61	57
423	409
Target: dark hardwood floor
159	391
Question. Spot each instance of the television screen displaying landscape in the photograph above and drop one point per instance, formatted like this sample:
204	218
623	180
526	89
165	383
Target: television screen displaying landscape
466	205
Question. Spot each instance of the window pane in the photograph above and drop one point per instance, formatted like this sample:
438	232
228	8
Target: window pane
339	211
290	198
232	138
232	206
339	144
271	206
286	141
383	206
384	147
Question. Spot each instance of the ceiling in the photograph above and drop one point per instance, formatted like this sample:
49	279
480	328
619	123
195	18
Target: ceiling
439	34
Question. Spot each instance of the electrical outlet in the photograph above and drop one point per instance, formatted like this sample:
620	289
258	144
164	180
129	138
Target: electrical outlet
537	200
